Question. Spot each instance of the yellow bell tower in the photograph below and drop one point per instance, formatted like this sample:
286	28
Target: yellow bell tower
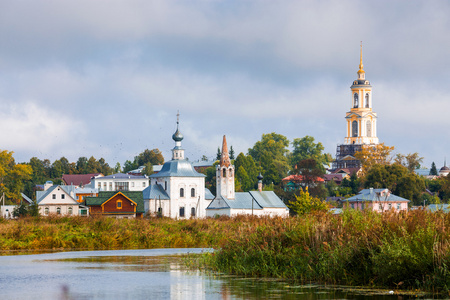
361	120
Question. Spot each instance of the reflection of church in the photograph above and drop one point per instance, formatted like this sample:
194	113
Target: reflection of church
361	124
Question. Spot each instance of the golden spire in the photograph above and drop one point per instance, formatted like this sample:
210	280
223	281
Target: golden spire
361	66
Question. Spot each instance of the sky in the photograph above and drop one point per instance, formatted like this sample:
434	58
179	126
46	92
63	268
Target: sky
106	78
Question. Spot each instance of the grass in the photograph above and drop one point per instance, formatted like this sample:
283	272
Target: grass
409	250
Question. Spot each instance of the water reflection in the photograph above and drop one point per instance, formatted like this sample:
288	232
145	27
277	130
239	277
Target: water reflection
138	274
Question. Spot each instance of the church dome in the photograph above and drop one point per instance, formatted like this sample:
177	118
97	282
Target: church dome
177	136
445	168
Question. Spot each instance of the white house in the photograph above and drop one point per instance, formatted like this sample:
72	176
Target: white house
377	200
228	202
120	182
177	190
56	199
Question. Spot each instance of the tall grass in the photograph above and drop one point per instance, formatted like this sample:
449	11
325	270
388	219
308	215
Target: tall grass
406	250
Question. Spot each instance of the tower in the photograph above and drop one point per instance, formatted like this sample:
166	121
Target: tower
225	174
361	120
177	151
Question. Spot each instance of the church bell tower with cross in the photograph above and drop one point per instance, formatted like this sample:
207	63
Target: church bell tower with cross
361	120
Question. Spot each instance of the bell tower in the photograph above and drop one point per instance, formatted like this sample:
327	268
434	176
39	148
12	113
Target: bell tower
225	174
361	120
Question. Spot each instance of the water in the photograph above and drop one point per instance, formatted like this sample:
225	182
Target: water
138	274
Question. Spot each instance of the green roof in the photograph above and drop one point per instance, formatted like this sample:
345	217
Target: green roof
105	196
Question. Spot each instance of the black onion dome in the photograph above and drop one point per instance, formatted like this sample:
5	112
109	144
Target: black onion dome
177	136
260	177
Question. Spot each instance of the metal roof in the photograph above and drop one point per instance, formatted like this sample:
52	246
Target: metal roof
244	200
374	195
208	195
155	191
177	168
439	207
122	176
267	199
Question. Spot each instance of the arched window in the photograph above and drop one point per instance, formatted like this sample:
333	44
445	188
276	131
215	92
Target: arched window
354	129
192	211
58	210
367	100
46	211
70	210
181	212
159	211
369	128
224	172
192	192
355	97
181	192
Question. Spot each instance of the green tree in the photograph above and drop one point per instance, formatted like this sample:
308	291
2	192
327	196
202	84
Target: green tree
148	169
117	168
272	155
204	158
398	179
153	156
433	170
412	161
82	165
92	166
304	203
128	166
104	167
371	155
219	154
305	148
231	153
246	172
310	171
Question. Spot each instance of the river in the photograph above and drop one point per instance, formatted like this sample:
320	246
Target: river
140	274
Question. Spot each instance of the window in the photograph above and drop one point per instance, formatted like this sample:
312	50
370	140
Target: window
369	128
398	206
104	186
354	129
53	196
224	173
362	206
390	206
181	212
121	186
192	192
119	204
63	196
70	210
165	185
132	184
99	185
58	210
380	207
192	211
367	100
355	97
143	184
353	206
159	211
46	210
181	192
110	186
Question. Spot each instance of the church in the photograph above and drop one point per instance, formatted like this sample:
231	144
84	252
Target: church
361	125
229	203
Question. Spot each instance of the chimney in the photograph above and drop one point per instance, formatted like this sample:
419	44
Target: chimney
371	190
47	185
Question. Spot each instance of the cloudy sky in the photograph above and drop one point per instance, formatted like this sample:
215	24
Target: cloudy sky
106	78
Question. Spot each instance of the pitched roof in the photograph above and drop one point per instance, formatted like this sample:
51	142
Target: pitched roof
155	191
383	195
105	196
208	195
78	179
247	200
299	178
41	195
177	168
124	176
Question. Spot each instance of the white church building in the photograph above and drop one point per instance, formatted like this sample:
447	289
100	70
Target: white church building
228	202
178	190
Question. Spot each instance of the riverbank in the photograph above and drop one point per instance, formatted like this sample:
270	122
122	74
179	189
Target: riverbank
400	251
409	250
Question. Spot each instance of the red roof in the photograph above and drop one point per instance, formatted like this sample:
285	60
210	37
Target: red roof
299	178
78	179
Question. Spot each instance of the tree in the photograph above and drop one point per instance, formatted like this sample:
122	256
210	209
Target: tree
12	176
148	169
81	165
398	179
304	203
219	154
117	168
310	171
92	166
246	172
128	166
433	170
104	167
204	158
231	153
371	155
272	154
305	148
153	156
412	161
